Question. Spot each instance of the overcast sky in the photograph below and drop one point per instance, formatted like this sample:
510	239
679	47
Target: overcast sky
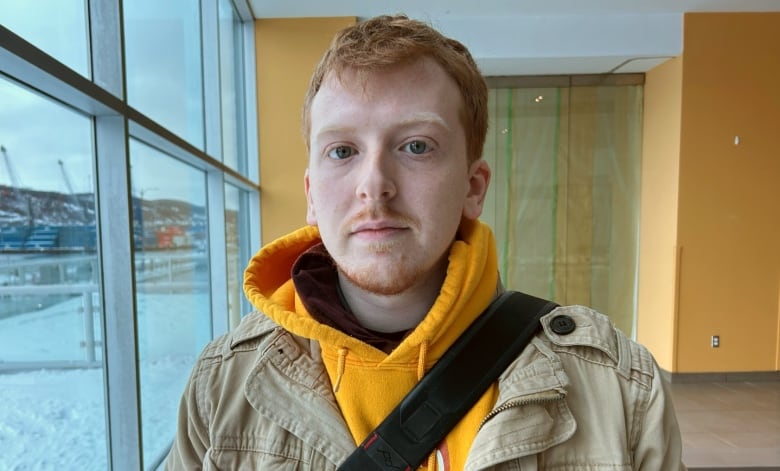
38	133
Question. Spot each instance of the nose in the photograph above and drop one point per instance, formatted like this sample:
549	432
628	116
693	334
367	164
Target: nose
376	179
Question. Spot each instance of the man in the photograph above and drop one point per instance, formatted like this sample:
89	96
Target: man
394	265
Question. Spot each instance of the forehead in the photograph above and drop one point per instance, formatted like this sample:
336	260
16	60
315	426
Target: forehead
422	85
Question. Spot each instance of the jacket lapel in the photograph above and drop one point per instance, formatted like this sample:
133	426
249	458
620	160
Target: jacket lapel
286	381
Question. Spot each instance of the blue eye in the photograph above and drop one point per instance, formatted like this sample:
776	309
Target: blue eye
417	147
341	152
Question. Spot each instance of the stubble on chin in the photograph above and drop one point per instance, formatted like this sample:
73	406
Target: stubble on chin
391	275
389	279
384	269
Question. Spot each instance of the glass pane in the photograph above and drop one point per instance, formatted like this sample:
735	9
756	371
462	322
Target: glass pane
164	66
62	35
231	65
172	286
237	250
51	368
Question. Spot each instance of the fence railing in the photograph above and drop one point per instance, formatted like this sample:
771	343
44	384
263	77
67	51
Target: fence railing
160	274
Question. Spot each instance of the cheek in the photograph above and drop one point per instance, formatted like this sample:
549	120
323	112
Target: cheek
318	200
442	201
321	204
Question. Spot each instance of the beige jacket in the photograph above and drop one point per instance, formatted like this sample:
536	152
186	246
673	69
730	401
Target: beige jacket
259	399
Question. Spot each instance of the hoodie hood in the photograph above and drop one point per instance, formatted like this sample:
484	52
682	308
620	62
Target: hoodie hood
368	383
470	285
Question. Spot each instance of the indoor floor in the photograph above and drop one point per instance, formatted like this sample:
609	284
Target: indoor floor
729	426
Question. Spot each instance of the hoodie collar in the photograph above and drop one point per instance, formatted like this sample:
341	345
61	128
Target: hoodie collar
316	281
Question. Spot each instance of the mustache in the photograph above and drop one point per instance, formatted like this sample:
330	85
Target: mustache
380	212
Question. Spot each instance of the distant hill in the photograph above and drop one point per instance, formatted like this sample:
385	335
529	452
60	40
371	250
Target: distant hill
24	207
46	220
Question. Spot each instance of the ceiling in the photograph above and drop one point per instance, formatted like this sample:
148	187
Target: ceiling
540	37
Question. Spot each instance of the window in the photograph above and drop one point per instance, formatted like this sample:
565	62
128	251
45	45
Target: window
166	83
62	35
172	285
126	217
237	246
51	368
231	88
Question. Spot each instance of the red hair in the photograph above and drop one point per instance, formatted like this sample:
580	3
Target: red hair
386	41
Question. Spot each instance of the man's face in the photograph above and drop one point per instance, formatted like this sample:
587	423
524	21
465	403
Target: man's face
388	179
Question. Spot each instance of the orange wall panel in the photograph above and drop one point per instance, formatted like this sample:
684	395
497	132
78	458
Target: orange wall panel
729	202
656	301
287	52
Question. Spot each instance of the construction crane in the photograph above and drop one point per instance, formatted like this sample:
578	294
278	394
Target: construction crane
65	176
15	183
76	199
16	187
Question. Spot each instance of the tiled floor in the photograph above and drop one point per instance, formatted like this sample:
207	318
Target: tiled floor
729	425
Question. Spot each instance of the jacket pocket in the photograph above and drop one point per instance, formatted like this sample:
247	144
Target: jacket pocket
531	463
302	459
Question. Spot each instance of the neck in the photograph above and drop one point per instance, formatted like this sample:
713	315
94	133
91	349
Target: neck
394	313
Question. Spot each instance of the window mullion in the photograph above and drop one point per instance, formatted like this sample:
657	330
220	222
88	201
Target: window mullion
250	109
217	252
211	86
119	307
116	239
215	182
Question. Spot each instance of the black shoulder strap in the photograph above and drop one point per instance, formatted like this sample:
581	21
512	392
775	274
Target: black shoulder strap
432	408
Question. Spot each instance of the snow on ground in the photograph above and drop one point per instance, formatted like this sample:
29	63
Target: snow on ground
52	420
55	419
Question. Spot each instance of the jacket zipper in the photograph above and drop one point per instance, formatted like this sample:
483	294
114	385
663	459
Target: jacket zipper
533	399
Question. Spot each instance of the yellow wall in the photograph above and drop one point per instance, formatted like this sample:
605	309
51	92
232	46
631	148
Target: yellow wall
287	52
729	214
658	253
725	263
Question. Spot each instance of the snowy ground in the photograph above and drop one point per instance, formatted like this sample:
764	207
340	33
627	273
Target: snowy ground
55	419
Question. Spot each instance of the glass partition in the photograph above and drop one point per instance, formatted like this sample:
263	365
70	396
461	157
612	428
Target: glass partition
564	200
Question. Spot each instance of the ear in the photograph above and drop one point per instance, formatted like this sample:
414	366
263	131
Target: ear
479	179
311	217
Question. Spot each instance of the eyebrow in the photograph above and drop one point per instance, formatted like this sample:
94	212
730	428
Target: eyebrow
422	117
425	117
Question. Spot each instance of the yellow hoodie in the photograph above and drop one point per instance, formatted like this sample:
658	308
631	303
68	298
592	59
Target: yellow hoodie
369	383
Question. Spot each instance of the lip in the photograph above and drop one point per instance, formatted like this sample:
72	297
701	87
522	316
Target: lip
372	226
374	230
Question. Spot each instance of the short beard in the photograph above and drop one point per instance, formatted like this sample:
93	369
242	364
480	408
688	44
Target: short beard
384	283
377	281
